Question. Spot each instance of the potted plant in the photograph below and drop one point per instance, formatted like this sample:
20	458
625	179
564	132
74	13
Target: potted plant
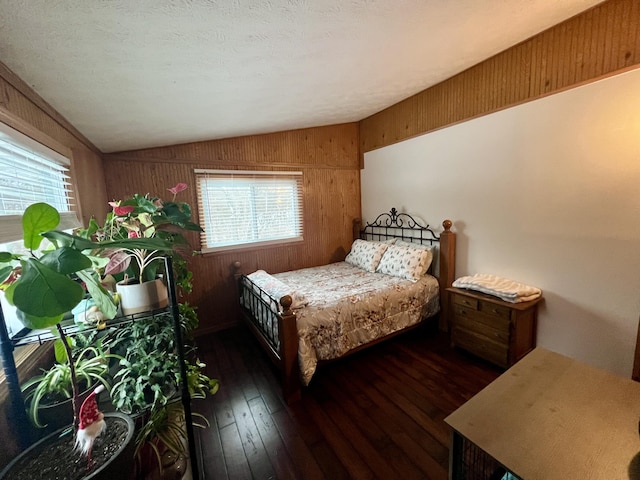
147	386
147	382
46	284
140	273
48	396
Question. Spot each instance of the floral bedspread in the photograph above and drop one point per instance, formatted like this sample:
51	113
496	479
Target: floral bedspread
349	307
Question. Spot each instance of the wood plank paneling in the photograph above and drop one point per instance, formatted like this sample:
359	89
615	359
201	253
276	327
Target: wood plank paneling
600	42
23	107
329	160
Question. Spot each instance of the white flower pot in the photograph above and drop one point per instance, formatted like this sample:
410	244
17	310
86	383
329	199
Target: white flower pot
142	297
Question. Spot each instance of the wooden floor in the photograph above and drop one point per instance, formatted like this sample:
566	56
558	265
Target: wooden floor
375	414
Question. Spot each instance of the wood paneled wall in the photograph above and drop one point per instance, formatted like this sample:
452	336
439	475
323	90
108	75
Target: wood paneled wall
329	160
600	42
23	109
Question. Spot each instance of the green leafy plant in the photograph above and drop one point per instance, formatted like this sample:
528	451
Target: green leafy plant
146	217
45	284
148	373
148	377
162	434
199	384
148	380
91	367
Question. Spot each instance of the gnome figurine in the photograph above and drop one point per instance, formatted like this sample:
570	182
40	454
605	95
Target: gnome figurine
91	423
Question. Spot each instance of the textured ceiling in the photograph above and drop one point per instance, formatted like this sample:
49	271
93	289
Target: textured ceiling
133	74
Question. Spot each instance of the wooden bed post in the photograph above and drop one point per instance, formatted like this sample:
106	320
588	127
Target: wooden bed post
447	272
357	227
288	335
635	373
237	266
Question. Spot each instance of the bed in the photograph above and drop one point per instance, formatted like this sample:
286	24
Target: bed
306	317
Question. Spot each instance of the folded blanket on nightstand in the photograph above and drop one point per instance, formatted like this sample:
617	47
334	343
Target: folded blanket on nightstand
503	288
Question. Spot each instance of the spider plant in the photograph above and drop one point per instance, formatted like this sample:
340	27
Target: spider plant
55	385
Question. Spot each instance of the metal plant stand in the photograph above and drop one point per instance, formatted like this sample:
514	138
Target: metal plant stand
18	417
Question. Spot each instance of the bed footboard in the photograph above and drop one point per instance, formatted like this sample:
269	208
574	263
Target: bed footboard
273	323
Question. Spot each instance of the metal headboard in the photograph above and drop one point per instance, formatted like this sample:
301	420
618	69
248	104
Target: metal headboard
398	225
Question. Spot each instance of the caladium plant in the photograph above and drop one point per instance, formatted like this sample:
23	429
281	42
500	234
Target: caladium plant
144	217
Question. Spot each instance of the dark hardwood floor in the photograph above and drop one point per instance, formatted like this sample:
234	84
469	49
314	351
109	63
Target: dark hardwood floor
376	414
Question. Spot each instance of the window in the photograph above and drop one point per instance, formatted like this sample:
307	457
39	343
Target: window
242	209
31	173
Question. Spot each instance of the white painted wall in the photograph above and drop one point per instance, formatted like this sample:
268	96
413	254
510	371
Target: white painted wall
546	193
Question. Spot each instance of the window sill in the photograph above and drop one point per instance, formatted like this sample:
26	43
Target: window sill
252	246
27	359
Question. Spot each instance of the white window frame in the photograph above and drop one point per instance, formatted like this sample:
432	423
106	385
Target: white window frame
44	164
28	357
210	183
47	161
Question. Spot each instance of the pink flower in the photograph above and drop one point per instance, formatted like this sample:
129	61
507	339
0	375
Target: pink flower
15	274
180	187
133	234
123	211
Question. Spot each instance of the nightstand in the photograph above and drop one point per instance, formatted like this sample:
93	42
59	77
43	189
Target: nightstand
498	331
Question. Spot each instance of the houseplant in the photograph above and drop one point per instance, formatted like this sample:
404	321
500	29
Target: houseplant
147	382
45	284
48	396
52	389
147	386
148	230
138	269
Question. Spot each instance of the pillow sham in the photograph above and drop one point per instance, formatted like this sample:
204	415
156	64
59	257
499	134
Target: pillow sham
365	254
277	288
419	246
405	262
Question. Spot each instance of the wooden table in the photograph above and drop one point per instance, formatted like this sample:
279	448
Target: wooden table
551	417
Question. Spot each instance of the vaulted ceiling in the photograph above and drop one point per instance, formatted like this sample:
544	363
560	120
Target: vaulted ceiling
132	74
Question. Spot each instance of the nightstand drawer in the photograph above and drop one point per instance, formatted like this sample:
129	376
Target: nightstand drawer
494	329
481	346
475	317
463	301
495	310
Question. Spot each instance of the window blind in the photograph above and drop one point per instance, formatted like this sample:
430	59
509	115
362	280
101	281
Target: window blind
31	173
246	208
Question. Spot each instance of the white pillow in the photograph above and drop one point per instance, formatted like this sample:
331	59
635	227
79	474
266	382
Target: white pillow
405	262
366	255
277	288
419	246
